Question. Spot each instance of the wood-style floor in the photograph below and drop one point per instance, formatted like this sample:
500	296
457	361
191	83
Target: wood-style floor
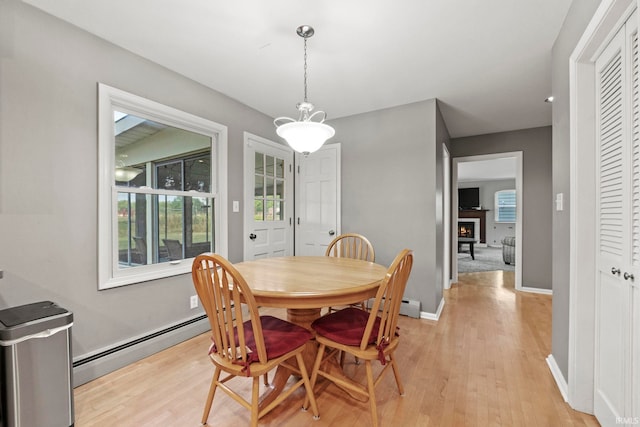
482	364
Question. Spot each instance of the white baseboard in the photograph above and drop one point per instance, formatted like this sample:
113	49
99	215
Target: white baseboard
537	290
558	377
433	316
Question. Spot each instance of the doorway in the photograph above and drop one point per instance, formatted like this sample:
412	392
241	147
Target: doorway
486	162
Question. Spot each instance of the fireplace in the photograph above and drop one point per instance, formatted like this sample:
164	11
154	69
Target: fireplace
470	227
478	217
466	229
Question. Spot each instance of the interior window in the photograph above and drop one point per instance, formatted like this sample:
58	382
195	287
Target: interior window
162	200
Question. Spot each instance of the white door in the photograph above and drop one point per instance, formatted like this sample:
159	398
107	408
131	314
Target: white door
317	200
618	231
633	277
268	198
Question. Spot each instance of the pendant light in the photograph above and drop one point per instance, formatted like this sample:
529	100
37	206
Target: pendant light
304	135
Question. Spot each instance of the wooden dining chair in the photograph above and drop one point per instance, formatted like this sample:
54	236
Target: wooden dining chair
351	245
370	336
246	344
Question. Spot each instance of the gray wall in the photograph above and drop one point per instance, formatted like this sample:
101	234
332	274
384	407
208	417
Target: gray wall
575	22
391	180
537	200
496	231
48	173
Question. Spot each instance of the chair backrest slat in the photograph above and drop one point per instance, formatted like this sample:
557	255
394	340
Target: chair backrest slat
223	292
351	245
388	299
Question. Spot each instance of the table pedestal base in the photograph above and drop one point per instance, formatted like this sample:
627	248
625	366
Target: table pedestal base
303	317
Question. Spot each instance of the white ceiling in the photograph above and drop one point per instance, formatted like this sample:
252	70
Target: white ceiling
487	61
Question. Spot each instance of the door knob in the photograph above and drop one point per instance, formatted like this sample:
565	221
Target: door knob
252	236
331	232
628	276
615	271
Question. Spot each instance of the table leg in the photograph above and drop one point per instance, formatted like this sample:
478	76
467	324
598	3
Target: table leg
277	385
304	318
471	250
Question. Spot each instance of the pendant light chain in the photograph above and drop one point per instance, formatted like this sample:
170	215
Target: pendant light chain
305	69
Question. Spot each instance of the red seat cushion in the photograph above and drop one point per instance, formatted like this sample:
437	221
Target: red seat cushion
280	337
346	326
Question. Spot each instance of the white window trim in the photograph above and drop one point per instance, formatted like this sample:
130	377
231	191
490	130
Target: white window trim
109	98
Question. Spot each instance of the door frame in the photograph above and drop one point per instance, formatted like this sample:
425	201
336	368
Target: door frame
517	155
249	140
448	230
609	16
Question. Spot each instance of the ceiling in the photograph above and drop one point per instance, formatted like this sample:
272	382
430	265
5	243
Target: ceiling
488	62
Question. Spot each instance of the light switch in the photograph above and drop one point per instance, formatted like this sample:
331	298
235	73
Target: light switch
236	206
559	202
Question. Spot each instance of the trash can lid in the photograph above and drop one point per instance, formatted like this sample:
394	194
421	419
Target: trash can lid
19	315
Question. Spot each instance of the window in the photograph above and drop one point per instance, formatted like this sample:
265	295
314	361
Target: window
269	188
162	189
505	206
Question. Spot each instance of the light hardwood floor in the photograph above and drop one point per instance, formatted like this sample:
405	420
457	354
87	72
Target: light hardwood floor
482	364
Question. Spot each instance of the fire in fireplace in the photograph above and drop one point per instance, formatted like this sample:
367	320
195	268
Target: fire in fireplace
466	229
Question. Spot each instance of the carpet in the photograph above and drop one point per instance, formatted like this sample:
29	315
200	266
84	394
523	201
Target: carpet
487	259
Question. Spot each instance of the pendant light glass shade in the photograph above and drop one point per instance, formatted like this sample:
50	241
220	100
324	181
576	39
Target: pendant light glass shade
304	135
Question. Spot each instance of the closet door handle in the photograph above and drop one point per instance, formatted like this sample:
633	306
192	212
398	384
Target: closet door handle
628	276
615	271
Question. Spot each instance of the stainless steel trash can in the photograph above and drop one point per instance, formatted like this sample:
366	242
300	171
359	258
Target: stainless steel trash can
35	366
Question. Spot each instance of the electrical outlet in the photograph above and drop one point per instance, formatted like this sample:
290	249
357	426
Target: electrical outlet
193	301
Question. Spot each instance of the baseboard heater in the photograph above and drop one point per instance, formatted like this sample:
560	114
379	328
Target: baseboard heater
408	307
136	341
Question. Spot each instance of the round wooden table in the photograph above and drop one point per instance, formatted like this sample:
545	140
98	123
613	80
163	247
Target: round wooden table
303	285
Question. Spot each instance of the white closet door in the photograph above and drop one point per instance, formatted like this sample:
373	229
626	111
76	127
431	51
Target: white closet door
618	236
634	279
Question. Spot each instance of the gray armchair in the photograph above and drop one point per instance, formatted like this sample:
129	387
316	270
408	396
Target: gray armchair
509	250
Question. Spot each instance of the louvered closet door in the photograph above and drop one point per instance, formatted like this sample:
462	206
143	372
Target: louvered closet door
634	279
618	232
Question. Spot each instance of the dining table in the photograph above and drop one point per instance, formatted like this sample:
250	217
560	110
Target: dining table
303	285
